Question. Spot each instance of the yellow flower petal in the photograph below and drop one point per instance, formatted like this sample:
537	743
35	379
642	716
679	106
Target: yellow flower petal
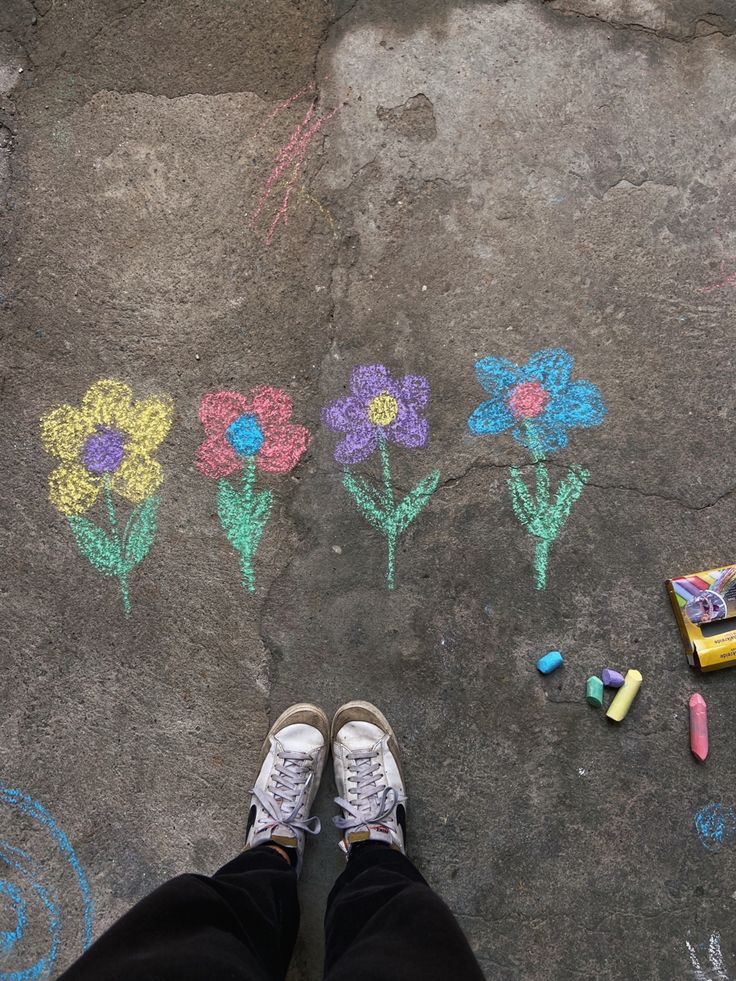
150	421
109	403
72	489
137	477
64	431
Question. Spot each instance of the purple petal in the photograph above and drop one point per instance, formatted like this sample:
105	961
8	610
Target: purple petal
412	389
357	445
344	414
369	380
410	429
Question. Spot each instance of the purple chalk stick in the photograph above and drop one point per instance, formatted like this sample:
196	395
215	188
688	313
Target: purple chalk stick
612	679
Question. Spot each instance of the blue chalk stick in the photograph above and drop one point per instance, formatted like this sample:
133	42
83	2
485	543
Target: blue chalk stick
550	662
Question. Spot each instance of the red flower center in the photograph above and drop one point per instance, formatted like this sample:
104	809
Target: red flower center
528	400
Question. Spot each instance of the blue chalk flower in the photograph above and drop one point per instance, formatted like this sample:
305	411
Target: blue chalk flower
537	399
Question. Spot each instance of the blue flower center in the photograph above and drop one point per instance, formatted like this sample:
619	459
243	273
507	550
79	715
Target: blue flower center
245	435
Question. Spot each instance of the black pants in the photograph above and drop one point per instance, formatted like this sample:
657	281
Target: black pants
383	923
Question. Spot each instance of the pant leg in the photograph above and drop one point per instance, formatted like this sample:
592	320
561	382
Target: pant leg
384	922
239	924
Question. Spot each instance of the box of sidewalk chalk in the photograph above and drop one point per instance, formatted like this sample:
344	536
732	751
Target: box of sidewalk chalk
705	609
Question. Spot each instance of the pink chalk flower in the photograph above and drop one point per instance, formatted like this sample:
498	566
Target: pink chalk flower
245	433
253	427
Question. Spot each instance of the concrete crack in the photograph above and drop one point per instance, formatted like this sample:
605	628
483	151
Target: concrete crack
631	182
633	26
628	488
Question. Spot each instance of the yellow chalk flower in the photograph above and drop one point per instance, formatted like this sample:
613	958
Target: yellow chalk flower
107	441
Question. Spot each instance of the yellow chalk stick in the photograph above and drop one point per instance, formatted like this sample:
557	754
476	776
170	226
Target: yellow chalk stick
624	696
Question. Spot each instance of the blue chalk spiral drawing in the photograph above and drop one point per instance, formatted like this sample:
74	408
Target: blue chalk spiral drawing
716	826
24	885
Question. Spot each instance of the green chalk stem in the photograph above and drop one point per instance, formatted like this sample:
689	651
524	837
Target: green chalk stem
122	572
391	535
380	509
243	515
246	553
542	517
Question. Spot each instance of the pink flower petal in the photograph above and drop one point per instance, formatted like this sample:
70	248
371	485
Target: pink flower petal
282	448
271	405
216	458
218	409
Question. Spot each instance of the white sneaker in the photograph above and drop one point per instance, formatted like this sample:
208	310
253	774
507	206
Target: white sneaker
291	765
368	777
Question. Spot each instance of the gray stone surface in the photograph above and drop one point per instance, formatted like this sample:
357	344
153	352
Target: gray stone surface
499	178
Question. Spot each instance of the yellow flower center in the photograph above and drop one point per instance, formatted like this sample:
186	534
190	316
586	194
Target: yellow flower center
383	409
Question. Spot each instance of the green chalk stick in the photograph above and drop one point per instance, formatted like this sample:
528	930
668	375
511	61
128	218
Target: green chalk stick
594	691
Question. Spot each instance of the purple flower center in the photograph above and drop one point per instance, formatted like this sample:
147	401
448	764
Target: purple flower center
104	450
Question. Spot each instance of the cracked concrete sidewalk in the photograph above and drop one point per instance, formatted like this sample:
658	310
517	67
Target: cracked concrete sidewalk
500	177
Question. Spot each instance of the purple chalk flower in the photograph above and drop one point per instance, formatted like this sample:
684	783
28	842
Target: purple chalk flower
378	407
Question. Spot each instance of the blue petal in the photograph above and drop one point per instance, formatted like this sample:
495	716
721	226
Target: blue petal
551	367
540	437
580	404
490	418
497	374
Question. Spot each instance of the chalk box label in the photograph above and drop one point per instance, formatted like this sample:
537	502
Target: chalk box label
705	610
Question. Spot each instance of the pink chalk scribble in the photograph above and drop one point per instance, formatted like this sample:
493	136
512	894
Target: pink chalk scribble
727	280
290	159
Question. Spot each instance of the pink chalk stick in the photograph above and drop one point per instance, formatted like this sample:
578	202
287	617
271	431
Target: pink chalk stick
698	727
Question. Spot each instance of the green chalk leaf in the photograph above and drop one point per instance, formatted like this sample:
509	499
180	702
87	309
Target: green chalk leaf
568	492
243	516
414	502
229	511
95	545
367	499
255	520
521	499
140	532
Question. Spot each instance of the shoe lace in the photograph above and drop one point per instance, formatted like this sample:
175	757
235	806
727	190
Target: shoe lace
372	802
287	791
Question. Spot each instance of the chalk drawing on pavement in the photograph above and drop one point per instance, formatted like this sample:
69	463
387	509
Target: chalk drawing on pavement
727	279
380	410
244	434
26	892
715	826
105	446
284	178
715	968
539	404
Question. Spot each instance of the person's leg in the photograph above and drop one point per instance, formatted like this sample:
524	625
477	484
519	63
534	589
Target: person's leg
241	923
383	921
